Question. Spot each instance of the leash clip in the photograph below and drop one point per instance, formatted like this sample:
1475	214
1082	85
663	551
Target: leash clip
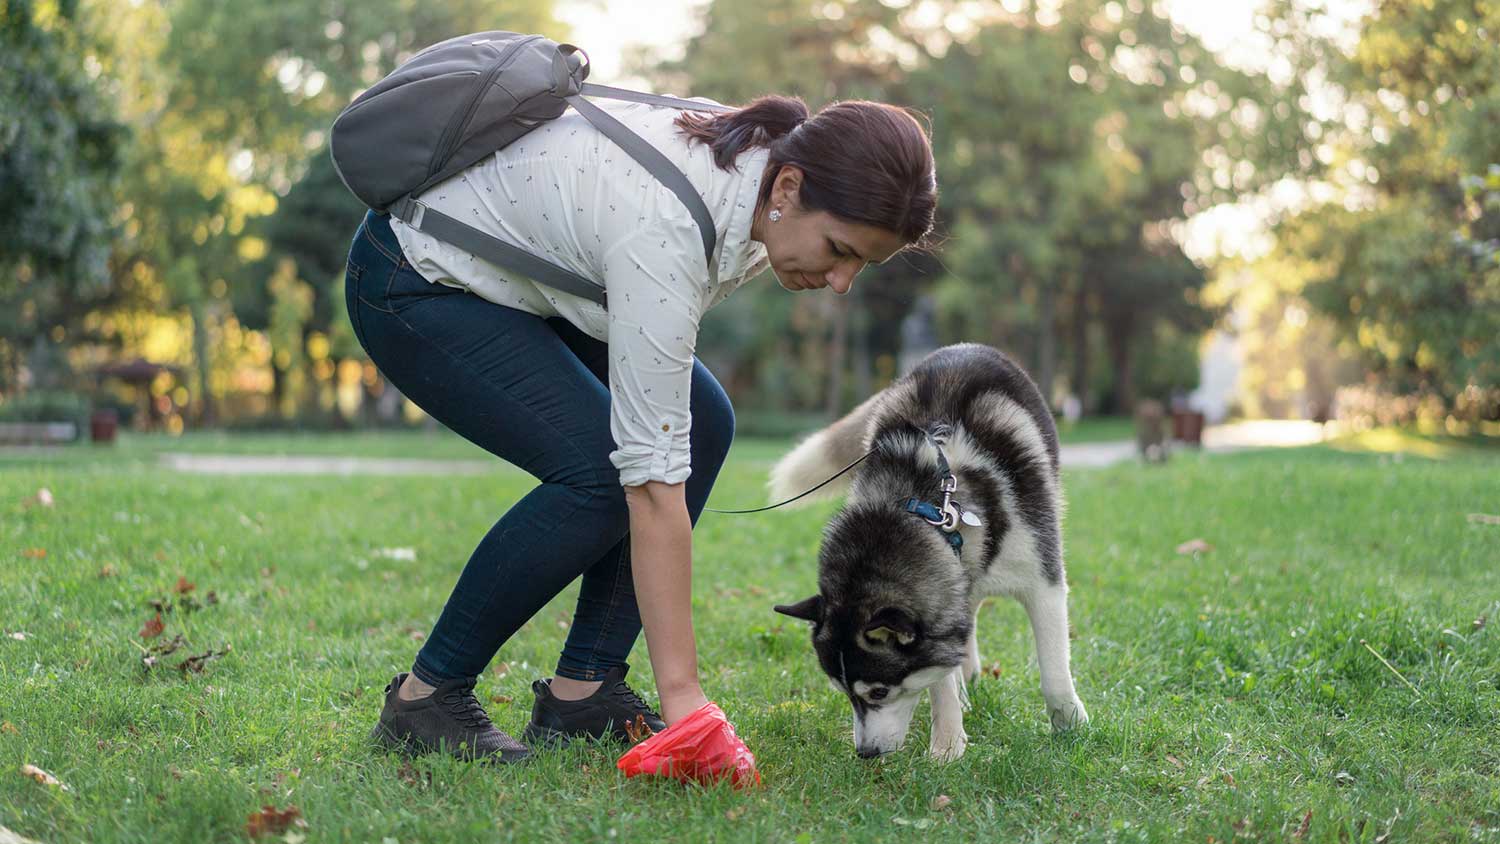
949	512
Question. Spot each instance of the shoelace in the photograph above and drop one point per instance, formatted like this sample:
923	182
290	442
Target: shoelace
464	706
627	696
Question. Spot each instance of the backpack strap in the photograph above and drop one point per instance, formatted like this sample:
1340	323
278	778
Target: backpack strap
568	74
495	250
651	158
590	89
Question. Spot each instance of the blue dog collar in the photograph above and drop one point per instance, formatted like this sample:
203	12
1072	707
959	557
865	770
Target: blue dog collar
933	516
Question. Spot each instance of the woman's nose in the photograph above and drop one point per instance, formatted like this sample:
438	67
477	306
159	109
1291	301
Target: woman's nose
841	277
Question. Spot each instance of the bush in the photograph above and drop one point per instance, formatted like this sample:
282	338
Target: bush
48	406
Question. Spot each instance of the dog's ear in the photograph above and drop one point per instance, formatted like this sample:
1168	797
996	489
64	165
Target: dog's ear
892	624
810	609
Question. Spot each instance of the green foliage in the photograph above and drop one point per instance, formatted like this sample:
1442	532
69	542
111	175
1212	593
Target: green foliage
59	157
1403	259
47	406
1065	140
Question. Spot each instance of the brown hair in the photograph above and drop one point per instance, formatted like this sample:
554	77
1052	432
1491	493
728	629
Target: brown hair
862	161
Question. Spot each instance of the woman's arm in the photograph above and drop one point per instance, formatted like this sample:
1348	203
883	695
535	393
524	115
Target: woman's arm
661	554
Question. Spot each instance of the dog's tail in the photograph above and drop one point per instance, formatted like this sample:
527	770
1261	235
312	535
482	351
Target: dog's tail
816	458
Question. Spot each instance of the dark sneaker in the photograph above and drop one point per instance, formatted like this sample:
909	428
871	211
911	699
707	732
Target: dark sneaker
604	713
449	720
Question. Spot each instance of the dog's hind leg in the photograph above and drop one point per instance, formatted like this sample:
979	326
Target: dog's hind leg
948	737
1047	605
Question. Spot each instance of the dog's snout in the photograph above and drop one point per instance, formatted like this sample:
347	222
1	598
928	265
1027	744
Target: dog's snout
869	752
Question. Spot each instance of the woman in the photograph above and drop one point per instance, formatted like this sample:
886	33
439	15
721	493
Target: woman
609	410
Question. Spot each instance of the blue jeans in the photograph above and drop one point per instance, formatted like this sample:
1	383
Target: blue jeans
534	392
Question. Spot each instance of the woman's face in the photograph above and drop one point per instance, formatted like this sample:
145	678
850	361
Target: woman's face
810	250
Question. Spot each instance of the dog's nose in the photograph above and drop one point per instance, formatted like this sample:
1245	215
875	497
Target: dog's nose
868	752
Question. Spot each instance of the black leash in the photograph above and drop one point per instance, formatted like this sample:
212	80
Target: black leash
809	492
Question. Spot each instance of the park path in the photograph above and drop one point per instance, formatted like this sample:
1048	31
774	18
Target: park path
1262	433
1216	438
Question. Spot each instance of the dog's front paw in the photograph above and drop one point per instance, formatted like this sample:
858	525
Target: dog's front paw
1068	716
946	746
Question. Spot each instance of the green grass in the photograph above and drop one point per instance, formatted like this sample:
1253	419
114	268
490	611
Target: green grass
1093	429
1230	692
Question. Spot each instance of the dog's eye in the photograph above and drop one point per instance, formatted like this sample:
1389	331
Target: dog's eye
879	693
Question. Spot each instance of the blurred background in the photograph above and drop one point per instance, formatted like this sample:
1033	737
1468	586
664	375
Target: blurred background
1261	210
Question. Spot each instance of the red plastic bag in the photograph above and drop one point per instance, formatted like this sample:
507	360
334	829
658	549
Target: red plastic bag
701	747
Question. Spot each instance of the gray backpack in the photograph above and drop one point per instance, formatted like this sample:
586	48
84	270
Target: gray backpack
458	101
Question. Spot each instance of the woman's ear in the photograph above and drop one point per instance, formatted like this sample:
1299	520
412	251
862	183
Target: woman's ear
788	188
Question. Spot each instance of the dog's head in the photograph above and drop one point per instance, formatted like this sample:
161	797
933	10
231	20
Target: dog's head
891	617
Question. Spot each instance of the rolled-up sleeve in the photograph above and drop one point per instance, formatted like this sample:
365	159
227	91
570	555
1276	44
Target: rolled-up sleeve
654	311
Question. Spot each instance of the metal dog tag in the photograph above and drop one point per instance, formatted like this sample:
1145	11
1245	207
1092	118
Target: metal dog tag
969	518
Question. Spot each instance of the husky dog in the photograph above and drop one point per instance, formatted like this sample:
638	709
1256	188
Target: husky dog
958	500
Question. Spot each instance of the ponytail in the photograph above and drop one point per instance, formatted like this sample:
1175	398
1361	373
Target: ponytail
862	161
755	125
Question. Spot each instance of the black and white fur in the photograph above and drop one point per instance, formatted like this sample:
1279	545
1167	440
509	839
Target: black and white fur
895	608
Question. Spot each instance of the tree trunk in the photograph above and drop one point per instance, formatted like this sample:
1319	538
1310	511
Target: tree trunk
837	353
863	367
278	385
207	413
1081	348
1120	333
1046	339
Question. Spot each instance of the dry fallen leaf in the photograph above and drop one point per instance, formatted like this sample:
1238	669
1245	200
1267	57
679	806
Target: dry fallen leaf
994	669
638	730
273	821
940	802
1483	519
19	635
8	727
502	669
1174	760
108	571
1301	831
1194	546
153	627
42	777
411	776
501	698
735	813
184	586
195	663
34	553
1480	622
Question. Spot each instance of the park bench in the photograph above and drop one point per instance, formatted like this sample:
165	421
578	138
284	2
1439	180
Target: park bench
37	433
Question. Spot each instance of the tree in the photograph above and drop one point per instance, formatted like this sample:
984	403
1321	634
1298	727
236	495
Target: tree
1399	258
230	104
59	157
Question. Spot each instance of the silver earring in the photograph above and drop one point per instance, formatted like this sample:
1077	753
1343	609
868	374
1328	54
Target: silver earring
775	214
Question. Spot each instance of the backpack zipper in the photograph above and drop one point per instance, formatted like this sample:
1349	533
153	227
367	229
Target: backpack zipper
451	139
